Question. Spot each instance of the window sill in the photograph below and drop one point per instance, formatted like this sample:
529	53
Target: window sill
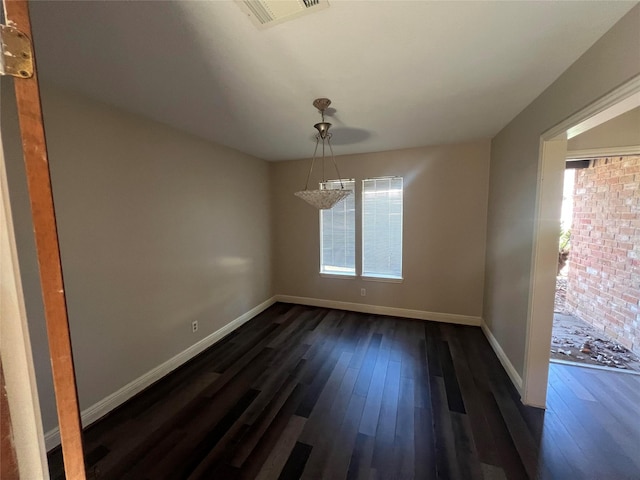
346	276
382	279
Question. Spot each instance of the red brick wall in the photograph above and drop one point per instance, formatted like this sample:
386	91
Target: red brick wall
604	266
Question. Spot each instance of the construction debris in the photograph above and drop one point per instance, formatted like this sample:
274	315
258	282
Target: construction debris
572	336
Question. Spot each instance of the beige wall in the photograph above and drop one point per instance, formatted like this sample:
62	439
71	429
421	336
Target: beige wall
445	205
612	60
157	229
621	131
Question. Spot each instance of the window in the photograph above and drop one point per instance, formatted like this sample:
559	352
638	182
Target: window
381	205
382	227
338	234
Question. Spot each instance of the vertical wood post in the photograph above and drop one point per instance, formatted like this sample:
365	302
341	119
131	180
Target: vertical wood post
46	238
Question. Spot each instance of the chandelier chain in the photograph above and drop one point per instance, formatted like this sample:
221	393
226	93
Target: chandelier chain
306	185
335	164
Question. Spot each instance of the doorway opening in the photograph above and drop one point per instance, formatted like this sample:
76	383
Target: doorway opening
596	298
553	157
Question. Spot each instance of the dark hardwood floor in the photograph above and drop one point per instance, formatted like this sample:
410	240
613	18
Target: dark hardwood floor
592	423
302	392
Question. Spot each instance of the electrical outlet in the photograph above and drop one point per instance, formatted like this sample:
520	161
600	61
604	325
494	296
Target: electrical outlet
363	292
194	326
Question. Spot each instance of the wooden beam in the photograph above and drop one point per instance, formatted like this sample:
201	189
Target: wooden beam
46	237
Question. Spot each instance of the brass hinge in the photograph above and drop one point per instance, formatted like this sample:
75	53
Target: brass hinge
16	54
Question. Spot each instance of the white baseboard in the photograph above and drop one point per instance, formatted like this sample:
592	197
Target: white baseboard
504	360
104	406
380	310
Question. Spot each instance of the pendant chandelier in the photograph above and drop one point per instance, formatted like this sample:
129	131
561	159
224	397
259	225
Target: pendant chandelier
323	198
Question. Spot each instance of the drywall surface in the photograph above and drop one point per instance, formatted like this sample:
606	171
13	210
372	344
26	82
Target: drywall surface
445	201
611	61
621	131
157	229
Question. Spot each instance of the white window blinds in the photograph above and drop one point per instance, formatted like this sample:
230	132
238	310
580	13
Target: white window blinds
338	233
382	227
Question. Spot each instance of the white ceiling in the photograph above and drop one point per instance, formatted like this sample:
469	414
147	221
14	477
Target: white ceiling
400	74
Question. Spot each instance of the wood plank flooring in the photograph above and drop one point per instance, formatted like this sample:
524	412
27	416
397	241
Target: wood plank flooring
312	393
599	411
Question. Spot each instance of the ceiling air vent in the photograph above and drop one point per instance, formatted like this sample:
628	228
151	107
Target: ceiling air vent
265	13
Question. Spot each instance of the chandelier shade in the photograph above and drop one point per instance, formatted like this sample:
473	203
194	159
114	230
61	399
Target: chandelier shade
323	198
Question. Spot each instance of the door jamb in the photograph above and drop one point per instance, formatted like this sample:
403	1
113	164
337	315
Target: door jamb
15	349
